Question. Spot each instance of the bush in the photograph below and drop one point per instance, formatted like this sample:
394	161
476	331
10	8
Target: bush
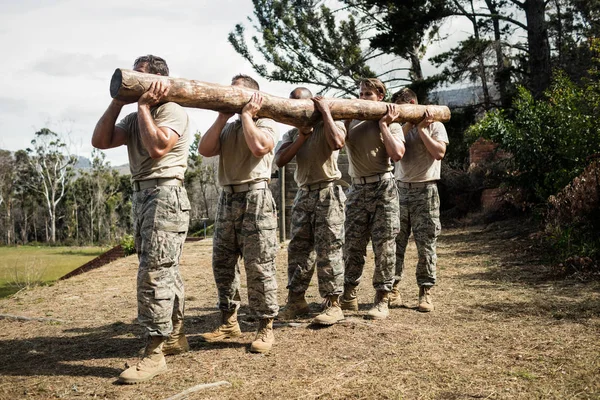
549	139
573	223
128	244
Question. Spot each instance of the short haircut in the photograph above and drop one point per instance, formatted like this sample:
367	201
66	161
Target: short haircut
154	64
301	93
375	84
247	81
404	96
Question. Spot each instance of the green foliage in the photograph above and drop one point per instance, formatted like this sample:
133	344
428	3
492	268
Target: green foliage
128	244
304	41
549	139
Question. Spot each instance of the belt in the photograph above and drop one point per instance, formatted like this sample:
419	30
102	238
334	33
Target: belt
149	183
317	186
373	178
244	187
410	185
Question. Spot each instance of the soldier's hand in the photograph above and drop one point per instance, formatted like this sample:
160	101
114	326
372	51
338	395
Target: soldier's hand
391	115
305	131
155	93
321	104
427	119
253	105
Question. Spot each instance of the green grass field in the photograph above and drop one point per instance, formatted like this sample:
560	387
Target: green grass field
31	265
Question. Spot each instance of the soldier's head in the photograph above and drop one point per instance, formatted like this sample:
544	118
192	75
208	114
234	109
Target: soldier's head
371	89
151	65
245	81
405	96
301	93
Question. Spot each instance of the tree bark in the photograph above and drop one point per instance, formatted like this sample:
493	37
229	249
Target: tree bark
130	85
539	47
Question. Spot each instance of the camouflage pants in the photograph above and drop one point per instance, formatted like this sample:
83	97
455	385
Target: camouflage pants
317	234
160	221
419	211
372	211
246	227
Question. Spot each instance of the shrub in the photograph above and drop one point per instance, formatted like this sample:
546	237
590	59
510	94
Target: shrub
128	244
549	138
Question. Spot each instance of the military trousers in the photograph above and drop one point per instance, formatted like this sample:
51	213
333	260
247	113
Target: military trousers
160	221
372	212
317	238
419	212
246	228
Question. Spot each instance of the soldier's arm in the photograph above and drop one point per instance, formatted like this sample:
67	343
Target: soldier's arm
436	148
288	150
336	137
393	144
259	141
210	143
158	141
106	135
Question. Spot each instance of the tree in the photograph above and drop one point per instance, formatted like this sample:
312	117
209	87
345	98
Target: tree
53	168
7	188
305	42
200	179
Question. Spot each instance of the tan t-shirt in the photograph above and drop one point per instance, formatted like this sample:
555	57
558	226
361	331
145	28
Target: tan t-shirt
366	151
316	161
237	164
171	165
418	165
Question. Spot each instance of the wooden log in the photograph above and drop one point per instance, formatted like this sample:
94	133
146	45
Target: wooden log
130	85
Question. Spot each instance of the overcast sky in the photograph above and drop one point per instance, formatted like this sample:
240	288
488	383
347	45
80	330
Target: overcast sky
59	56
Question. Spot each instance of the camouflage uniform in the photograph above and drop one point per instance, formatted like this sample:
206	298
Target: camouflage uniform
317	234
419	211
161	217
417	174
246	222
372	208
246	226
372	211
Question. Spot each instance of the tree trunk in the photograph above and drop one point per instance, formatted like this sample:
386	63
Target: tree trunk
130	85
539	47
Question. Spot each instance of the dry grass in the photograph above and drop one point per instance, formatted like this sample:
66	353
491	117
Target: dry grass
502	330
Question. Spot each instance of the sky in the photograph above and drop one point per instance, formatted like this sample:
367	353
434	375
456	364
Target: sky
59	56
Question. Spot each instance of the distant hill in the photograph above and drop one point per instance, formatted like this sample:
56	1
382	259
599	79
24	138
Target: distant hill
84	163
461	97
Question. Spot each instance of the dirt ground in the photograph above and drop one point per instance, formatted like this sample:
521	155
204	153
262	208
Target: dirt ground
502	329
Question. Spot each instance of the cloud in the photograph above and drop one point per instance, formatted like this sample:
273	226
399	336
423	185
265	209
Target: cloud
62	64
13	106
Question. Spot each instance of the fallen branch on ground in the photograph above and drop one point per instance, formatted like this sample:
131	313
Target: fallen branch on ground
197	388
22	318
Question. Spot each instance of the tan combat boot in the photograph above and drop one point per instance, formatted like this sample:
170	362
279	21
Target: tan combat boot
332	314
176	343
380	308
349	301
425	302
264	337
296	305
229	328
152	364
395	297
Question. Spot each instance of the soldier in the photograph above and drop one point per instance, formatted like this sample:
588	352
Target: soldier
417	174
372	203
246	222
317	214
157	141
